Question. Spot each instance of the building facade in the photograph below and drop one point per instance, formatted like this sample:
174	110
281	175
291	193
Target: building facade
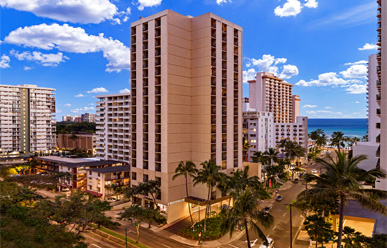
113	127
296	132
382	89
186	79
82	141
272	94
26	118
87	117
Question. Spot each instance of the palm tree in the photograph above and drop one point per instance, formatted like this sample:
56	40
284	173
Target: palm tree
318	229
210	175
338	140
341	181
245	213
271	155
186	169
258	157
245	148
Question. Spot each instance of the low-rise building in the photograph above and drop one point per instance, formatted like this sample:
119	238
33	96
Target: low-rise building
82	141
101	182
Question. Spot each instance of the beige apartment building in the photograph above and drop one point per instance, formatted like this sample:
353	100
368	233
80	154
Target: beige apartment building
26	118
382	89
272	94
113	127
82	141
186	81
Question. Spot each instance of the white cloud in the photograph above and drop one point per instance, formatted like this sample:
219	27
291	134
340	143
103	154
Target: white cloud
67	105
360	62
220	2
309	106
58	111
289	71
74	40
76	11
27	68
249	75
323	113
98	90
4	61
368	46
50	59
355	71
125	91
79	95
290	8
81	110
147	3
325	79
311	4
328	107
357	89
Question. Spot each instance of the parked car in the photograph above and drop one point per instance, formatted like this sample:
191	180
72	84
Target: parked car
314	171
111	199
295	180
279	198
65	190
44	174
266	209
269	244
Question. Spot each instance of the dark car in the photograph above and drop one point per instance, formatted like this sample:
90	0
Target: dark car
279	198
295	180
266	209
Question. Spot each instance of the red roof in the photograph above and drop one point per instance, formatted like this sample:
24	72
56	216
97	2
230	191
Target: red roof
93	193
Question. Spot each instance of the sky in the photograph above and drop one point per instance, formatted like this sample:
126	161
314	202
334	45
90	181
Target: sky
82	47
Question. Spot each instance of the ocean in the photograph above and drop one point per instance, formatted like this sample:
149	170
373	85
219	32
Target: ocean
350	127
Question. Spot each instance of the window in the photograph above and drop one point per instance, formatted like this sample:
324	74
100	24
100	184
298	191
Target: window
90	172
253	141
145	178
134	175
158	179
126	174
89	187
99	174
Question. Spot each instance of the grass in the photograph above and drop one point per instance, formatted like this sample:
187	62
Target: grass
117	235
213	229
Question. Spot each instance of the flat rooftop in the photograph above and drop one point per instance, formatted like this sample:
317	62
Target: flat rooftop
58	159
92	163
111	169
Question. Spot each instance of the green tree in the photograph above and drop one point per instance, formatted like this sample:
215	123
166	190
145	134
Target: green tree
341	180
338	140
152	188
271	156
187	169
210	175
258	157
138	214
318	229
245	213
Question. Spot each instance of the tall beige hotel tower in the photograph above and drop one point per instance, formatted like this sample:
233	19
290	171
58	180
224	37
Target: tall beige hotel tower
186	79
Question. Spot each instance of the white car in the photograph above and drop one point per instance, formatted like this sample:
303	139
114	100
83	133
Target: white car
314	171
270	243
65	190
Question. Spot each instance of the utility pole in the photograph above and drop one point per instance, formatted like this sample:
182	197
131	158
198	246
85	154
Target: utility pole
291	224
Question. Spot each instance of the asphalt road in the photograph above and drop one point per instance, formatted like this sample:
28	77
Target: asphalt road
279	232
96	241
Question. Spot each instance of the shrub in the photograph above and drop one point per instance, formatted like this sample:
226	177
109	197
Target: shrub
213	229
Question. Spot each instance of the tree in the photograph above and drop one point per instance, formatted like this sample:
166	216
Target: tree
210	175
318	229
315	136
338	140
245	213
64	177
259	158
292	149
245	148
138	214
187	169
365	138
152	187
79	212
271	155
341	181
295	170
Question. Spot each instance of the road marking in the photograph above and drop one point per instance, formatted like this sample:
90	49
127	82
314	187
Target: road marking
274	227
96	245
166	246
284	214
252	243
233	246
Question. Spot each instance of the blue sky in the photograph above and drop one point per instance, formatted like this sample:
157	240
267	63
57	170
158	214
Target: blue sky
81	48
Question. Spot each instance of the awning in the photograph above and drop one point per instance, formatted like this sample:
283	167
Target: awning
203	202
93	193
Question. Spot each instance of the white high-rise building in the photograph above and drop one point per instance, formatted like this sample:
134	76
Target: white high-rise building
26	118
370	148
113	127
296	131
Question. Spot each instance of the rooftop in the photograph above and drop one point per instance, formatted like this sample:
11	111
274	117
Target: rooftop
111	169
92	163
58	159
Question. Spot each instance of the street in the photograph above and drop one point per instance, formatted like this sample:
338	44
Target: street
279	232
95	241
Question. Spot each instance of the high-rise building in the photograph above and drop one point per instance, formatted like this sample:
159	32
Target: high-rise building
272	94
26	118
66	118
87	117
113	127
186	81
382	89
370	147
296	131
